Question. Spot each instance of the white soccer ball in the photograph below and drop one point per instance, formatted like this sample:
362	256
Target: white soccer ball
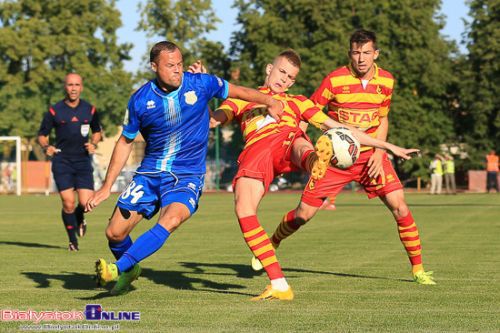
345	147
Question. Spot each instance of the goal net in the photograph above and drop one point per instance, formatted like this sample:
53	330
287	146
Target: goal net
10	165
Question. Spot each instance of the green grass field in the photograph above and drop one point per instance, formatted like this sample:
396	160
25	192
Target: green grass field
347	268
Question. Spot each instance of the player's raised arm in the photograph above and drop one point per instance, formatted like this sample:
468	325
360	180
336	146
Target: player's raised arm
274	107
121	152
367	140
217	117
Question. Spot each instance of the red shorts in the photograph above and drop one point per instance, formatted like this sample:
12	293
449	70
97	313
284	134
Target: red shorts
335	180
269	157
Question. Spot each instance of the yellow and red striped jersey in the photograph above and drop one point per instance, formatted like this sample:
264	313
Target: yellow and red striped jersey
351	103
257	124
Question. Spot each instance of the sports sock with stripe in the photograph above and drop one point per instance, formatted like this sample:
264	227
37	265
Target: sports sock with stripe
307	160
286	228
408	234
260	245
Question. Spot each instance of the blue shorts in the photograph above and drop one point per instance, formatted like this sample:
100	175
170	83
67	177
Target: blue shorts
72	172
148	192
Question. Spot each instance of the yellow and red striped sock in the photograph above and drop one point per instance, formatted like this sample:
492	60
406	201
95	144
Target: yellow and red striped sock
408	234
286	228
307	160
259	243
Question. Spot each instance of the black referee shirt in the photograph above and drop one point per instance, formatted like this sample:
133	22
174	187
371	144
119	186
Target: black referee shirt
72	126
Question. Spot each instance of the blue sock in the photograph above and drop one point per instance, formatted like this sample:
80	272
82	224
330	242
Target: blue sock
119	248
147	244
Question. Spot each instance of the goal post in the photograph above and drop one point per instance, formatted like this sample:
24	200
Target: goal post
11	167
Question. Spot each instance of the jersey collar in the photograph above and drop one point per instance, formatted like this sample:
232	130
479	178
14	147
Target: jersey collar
268	91
353	73
157	90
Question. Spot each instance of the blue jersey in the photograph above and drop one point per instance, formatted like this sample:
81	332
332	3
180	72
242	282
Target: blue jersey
174	125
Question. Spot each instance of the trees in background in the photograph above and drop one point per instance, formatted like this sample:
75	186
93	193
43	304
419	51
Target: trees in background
186	23
477	118
41	41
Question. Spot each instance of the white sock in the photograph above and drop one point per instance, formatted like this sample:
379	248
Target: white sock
280	284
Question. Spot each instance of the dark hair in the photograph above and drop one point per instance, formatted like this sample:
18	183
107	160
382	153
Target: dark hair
292	56
363	36
161	46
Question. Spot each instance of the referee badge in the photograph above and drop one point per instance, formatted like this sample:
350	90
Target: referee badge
84	129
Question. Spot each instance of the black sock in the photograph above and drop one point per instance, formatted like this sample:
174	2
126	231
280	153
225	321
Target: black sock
70	226
79	214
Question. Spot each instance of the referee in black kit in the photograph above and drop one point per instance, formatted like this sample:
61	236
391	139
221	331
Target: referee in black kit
73	119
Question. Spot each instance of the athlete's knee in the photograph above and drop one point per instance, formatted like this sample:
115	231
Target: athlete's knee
304	215
241	213
68	206
244	210
171	222
115	235
400	209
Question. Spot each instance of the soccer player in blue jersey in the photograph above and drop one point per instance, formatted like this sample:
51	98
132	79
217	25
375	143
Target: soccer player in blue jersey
171	112
73	119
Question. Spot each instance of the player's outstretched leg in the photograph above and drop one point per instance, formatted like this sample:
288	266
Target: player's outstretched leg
125	279
324	152
105	272
126	269
259	243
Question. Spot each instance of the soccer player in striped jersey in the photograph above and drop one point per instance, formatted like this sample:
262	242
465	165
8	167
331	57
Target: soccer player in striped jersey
275	147
171	113
360	95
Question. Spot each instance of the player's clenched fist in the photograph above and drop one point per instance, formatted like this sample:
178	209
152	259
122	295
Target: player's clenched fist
96	199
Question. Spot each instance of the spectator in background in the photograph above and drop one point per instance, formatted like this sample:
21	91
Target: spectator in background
492	170
436	168
235	75
73	119
449	175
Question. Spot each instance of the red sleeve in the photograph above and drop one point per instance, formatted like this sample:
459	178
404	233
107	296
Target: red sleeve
324	93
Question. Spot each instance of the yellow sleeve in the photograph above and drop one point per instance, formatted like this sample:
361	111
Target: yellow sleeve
310	112
318	119
230	107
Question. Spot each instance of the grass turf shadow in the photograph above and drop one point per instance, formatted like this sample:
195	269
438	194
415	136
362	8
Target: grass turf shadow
34	245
